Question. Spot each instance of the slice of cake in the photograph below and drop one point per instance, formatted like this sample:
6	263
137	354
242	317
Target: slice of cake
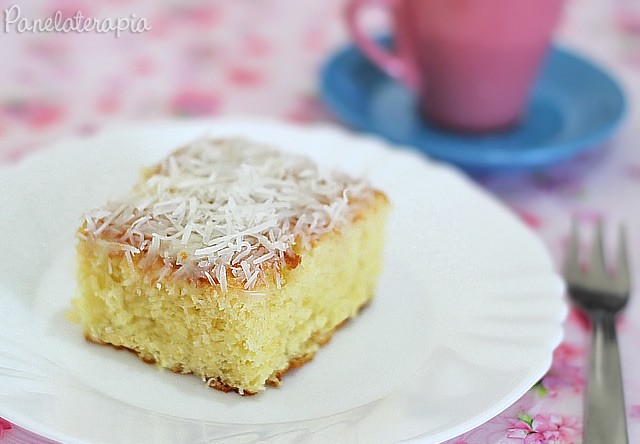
229	260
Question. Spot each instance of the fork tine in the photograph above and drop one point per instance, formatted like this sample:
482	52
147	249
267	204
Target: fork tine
597	266
572	262
622	264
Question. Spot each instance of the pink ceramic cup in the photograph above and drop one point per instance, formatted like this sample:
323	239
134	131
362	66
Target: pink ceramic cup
472	63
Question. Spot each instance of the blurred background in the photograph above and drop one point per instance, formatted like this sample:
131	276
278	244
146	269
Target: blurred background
210	58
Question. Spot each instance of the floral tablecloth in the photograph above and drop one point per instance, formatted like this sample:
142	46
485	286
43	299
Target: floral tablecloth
261	57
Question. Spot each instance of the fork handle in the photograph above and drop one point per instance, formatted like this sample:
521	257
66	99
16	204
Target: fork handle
605	415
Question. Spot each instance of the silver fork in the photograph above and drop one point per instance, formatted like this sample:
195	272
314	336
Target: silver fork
601	295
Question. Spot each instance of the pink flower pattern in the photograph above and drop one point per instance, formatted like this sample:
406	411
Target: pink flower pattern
530	219
194	102
34	113
5	426
566	371
543	429
262	57
241	76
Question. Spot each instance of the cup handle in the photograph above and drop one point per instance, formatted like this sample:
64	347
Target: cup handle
395	65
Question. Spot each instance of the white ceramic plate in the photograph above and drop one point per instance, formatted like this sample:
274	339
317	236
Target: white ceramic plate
465	319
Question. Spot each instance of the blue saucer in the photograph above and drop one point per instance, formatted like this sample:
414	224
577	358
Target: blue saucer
575	107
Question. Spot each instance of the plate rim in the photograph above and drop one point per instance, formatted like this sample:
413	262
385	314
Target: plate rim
58	148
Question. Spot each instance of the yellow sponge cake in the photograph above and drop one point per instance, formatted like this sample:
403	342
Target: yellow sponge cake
229	260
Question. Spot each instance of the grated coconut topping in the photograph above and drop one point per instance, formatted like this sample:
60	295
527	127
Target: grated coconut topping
227	211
